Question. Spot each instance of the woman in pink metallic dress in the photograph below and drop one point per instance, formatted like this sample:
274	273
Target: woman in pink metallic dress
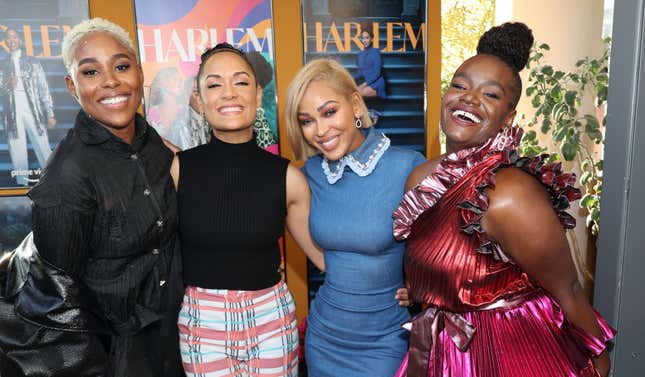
486	247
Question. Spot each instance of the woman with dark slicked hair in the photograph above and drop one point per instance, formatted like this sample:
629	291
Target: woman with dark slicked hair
486	246
238	316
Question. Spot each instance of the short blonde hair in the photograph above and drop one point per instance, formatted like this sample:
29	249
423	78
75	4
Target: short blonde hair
338	79
93	25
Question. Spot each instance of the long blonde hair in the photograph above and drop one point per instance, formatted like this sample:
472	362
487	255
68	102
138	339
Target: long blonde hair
338	79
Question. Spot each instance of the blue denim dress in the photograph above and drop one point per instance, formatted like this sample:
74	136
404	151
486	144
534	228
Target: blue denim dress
354	324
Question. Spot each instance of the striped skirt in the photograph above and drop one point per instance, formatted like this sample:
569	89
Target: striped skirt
239	333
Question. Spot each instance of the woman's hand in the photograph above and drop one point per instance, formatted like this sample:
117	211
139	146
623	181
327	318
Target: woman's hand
403	297
602	364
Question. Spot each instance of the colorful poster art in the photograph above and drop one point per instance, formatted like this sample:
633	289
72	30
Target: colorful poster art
382	44
171	40
15	221
36	111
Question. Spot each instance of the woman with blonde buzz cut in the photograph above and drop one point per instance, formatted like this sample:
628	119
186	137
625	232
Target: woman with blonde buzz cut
94	290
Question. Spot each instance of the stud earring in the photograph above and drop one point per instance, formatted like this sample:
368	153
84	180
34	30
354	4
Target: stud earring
358	123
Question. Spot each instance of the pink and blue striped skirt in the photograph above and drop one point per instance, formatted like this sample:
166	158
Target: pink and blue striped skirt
239	333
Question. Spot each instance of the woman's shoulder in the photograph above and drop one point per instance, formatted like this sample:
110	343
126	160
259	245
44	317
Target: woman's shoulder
68	172
421	171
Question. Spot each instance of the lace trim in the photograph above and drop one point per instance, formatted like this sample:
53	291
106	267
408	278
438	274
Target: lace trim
362	169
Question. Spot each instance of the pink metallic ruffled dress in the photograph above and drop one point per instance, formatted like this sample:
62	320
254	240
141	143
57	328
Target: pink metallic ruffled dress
485	316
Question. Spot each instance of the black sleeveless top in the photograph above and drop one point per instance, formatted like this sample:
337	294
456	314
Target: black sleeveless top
232	208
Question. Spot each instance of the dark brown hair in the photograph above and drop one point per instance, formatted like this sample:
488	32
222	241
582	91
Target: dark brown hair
222	47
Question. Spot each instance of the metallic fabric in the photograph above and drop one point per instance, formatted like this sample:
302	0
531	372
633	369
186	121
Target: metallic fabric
485	316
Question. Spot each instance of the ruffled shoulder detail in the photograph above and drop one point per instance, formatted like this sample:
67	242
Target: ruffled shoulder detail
452	168
559	186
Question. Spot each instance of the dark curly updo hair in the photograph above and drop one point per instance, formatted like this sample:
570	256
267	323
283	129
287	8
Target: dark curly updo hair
511	42
221	47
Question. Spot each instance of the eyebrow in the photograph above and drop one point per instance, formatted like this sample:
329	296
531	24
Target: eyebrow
319	107
215	75
326	103
488	82
94	60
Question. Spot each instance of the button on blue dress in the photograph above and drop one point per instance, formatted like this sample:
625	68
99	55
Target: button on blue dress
354	324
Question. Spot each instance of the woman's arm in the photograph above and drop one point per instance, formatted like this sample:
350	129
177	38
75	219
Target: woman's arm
521	218
298	198
63	211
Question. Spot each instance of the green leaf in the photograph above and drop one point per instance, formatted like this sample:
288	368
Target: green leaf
592	121
547	70
585	178
547	108
558	135
585	164
546	125
558	111
569	151
601	95
588	201
599	165
556	93
580	62
595	214
536	101
530	90
575	77
530	135
558	75
570	98
598	188
545	46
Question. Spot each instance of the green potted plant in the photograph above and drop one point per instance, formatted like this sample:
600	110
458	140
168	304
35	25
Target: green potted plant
556	96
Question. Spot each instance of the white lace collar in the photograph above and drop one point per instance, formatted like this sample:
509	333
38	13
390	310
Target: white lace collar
362	161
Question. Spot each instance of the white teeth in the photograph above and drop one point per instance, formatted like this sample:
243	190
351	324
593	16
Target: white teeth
114	100
465	114
328	142
230	109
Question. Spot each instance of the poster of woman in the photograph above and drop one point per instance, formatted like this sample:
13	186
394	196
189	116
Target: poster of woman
35	109
171	39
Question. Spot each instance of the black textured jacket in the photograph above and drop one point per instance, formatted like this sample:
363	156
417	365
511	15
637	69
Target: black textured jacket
100	296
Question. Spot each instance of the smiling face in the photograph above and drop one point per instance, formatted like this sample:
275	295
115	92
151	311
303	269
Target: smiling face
12	40
327	120
107	81
229	96
478	102
366	39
